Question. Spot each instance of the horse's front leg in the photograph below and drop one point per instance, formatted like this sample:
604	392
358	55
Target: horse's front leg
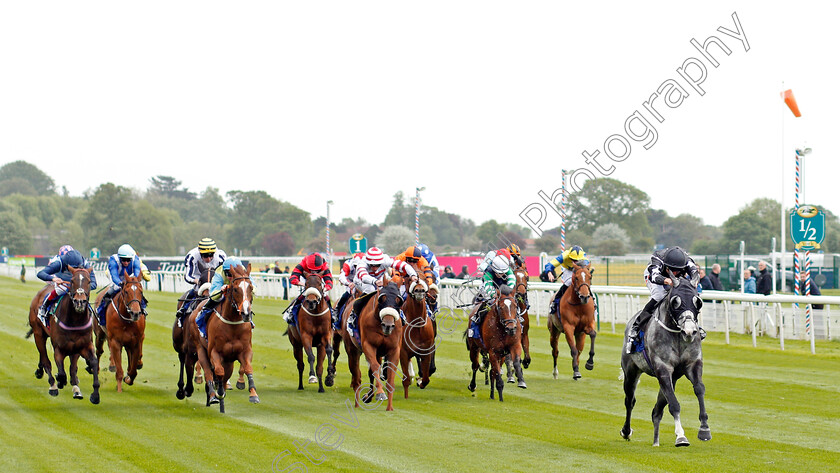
116	357
509	369
218	373
631	380
306	340
74	376
569	331
133	353
332	358
666	385
496	375
473	347
590	363
92	360
180	392
61	375
554	335
319	370
695	375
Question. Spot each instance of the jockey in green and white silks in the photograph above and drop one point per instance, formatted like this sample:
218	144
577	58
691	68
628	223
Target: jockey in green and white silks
498	273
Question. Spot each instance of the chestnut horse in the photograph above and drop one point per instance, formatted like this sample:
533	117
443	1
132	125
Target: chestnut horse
521	290
228	337
418	340
576	319
188	358
125	328
71	335
314	328
380	331
501	335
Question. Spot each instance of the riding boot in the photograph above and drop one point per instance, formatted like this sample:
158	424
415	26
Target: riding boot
143	304
103	307
556	301
201	320
638	323
43	310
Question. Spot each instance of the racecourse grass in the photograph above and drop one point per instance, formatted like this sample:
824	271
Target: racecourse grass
770	410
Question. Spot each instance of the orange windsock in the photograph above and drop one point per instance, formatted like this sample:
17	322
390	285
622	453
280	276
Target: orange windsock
790	100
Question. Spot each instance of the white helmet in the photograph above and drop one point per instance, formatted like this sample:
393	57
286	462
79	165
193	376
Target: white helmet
500	265
126	252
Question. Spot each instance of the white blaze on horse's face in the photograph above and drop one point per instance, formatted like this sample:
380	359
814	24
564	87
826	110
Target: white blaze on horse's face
246	304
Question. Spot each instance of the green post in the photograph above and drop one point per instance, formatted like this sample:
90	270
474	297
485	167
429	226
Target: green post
608	273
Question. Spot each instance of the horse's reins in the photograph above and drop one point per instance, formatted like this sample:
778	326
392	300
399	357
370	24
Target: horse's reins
320	298
88	310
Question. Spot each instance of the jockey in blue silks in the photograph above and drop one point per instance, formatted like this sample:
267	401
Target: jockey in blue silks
218	287
124	262
58	272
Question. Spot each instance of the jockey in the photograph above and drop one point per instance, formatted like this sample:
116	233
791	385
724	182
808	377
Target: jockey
311	264
431	258
58	272
124	262
516	255
656	274
491	255
498	274
218	287
371	271
61	252
414	255
348	272
205	254
567	261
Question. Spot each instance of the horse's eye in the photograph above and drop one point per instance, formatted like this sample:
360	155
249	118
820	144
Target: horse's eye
698	302
676	302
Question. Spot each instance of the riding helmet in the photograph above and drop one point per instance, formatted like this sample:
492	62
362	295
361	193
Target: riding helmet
675	258
207	245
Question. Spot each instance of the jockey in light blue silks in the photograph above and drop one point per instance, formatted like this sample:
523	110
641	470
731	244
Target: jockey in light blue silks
218	287
58	272
124	262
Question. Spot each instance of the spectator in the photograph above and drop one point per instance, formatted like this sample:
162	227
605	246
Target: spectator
764	281
749	282
815	290
715	278
276	267
447	273
705	282
751	270
285	284
465	274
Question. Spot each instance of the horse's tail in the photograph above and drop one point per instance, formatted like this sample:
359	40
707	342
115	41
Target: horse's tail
29	333
286	332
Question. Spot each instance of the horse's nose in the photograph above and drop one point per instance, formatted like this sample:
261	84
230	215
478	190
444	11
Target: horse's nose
387	329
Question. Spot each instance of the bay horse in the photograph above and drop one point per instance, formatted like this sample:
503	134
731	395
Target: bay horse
418	339
671	349
501	334
313	329
576	319
125	327
228	338
521	290
380	331
186	357
71	335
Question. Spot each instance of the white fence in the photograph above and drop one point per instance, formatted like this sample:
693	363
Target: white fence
727	312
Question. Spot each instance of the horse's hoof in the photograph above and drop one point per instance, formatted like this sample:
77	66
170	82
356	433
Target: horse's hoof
313	380
88	369
589	365
522	385
381	397
188	391
471	388
128	381
329	381
526	363
180	394
321	389
78	395
626	435
682	442
240	385
228	385
53	392
511	379
213	400
576	376
199	379
94	398
140	365
39	373
61	380
556	374
704	434
254	399
112	369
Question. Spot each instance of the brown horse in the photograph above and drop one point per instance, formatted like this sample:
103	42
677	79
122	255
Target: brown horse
228	337
576	319
125	328
521	290
314	328
501	335
188	358
71	335
380	331
418	340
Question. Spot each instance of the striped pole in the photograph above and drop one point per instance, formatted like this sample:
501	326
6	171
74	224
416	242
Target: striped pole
417	216
796	290
563	212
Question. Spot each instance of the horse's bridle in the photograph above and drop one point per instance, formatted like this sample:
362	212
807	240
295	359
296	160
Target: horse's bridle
318	301
577	287
244	317
508	324
127	302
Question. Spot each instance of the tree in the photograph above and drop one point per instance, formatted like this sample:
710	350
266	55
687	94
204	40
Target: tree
109	218
279	243
395	239
508	237
610	240
169	187
756	224
547	244
399	214
606	200
489	231
19	171
13	233
257	214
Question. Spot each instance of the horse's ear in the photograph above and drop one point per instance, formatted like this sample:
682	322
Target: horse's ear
248	269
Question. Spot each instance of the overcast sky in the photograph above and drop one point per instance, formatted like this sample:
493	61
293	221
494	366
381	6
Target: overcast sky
483	103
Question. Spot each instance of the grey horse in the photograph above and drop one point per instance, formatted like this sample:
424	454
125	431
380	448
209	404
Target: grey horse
671	349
